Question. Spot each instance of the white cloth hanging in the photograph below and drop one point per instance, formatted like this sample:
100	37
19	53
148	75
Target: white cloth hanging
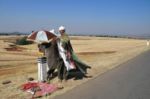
62	54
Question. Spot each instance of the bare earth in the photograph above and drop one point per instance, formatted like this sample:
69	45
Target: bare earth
102	54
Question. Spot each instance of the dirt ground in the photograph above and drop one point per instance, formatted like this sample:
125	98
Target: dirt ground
18	63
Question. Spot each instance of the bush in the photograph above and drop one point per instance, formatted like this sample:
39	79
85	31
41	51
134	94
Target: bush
23	41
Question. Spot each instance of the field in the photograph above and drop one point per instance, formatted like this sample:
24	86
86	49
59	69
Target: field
18	63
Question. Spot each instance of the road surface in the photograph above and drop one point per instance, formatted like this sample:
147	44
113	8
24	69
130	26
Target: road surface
130	80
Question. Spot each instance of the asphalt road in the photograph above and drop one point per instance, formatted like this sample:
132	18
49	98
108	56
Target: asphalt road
130	80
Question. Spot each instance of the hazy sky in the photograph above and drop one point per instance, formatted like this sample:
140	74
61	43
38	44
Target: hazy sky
78	16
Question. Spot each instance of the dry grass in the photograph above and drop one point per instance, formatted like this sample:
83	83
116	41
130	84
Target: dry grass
102	54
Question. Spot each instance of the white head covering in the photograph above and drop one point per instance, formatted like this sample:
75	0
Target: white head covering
61	28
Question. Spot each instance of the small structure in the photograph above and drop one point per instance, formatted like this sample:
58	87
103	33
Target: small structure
42	69
147	43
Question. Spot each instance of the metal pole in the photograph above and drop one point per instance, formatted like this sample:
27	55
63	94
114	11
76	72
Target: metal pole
42	69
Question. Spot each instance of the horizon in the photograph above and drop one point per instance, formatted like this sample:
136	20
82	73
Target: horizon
113	17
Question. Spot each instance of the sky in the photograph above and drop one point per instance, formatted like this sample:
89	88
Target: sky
126	17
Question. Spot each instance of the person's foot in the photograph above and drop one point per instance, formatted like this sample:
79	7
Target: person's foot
60	86
59	81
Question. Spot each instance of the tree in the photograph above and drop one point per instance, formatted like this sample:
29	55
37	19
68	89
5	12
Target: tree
23	41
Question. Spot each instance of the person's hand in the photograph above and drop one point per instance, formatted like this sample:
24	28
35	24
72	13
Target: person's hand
56	38
53	40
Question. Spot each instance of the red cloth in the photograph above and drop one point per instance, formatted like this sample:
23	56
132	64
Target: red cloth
45	88
29	85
